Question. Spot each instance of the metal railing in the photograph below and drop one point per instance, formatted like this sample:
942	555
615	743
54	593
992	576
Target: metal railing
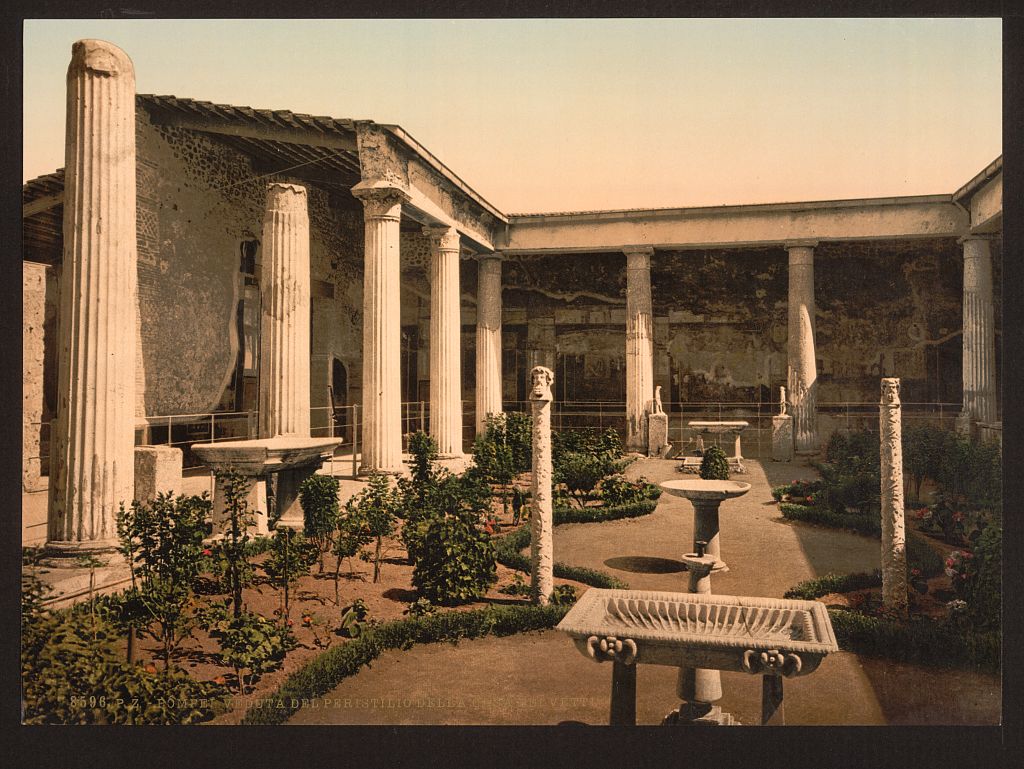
345	423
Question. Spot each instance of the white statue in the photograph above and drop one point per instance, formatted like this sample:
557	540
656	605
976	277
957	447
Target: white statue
782	401
657	407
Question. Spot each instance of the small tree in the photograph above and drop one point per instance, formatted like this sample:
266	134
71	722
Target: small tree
714	466
236	571
318	496
377	505
580	472
291	555
456	562
163	540
496	464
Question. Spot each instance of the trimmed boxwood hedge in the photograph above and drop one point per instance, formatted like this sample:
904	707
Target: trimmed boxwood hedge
601	514
923	641
326	671
507	549
863	524
834	583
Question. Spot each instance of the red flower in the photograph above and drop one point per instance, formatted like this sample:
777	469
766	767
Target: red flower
207	551
290	623
949	562
915	572
150	668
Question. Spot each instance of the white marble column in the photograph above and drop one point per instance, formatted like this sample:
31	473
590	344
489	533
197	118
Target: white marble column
979	337
382	392
92	460
802	381
639	346
445	341
894	538
284	325
542	558
488	339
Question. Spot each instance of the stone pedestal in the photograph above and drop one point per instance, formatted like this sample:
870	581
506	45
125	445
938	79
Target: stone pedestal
445	342
284	326
979	338
802	380
488	339
782	439
382	393
255	503
894	540
541	508
639	346
157	471
92	452
657	435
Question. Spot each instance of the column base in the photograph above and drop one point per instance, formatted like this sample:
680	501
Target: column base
65	555
699	714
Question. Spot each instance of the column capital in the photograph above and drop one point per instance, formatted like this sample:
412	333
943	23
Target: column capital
800	244
987	236
286	197
499	255
100	58
647	251
381	198
442	237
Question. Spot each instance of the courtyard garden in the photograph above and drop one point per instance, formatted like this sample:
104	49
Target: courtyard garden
236	628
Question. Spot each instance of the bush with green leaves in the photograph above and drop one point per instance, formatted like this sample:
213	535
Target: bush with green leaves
318	496
513	430
617	491
73	672
354	619
162	541
983	592
580	473
455	560
232	551
248	642
714	466
291	556
377	506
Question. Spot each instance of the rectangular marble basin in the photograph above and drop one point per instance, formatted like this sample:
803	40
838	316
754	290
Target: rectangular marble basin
255	457
720	632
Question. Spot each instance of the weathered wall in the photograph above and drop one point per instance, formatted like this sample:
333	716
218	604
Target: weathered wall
39	323
199	200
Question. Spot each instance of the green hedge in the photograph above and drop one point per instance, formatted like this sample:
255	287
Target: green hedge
863	524
601	514
507	549
329	669
923	641
834	583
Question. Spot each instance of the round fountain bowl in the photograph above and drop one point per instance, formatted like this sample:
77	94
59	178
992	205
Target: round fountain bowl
696	488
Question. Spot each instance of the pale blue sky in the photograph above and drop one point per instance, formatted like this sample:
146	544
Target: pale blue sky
564	114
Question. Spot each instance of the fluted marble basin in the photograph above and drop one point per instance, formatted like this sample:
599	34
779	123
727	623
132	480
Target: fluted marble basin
721	632
705	491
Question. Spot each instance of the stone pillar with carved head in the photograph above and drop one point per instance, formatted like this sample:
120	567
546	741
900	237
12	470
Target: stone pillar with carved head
541	511
894	539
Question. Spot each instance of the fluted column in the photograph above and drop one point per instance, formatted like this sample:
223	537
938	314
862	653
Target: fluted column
284	326
639	346
92	460
802	380
445	341
488	339
979	337
382	394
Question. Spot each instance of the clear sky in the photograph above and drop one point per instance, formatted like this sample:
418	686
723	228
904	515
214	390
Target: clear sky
565	114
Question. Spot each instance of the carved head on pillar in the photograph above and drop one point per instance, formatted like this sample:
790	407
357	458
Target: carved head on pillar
541	379
890	391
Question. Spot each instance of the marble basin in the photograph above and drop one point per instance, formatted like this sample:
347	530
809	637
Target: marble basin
720	632
718	428
705	491
265	454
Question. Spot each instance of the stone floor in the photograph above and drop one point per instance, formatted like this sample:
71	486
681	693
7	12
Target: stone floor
540	678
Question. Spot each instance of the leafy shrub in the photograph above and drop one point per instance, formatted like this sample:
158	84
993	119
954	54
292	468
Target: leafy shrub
837	447
421	607
984	589
863	524
327	670
563	595
616	491
248	642
376	506
580	473
798	491
318	496
163	543
922	451
920	641
714	466
455	560
291	556
232	553
588	440
354	619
